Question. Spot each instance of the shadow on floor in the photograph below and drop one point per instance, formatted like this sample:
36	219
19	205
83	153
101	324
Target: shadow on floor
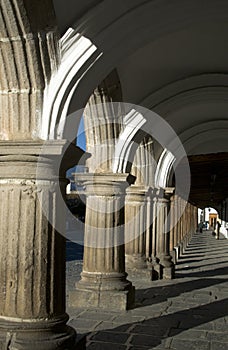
155	295
196	267
215	272
154	331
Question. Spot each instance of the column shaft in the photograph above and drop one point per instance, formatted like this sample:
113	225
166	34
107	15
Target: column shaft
163	228
32	256
156	267
136	211
104	277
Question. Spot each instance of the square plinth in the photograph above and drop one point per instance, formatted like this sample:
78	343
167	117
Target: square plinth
109	300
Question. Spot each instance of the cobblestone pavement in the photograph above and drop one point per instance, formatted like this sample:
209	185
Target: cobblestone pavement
189	312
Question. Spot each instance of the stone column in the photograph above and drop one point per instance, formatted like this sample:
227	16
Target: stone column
149	224
163	230
195	219
135	230
104	281
180	229
173	214
177	228
156	267
32	256
190	219
185	226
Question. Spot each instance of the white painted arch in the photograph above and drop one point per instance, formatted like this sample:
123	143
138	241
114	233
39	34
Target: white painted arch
91	54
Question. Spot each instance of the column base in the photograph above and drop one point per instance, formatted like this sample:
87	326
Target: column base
168	273
109	300
108	291
137	266
135	262
145	274
177	250
37	335
180	250
168	268
173	255
156	270
185	243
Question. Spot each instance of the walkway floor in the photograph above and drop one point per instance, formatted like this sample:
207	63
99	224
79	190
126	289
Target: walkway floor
190	312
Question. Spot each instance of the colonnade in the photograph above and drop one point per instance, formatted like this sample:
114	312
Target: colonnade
186	217
130	224
130	230
32	259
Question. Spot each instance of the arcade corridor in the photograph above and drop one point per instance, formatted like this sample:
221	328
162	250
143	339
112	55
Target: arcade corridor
149	80
189	312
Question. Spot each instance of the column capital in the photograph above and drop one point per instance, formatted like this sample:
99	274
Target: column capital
104	184
163	195
138	193
169	191
61	153
35	147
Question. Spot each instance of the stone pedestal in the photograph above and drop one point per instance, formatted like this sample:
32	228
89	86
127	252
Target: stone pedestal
104	281
163	230
136	230
32	252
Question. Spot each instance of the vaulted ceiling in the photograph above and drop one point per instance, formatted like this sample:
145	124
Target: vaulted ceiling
171	57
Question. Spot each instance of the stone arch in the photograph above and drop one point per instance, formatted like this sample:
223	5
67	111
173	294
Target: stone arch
164	169
126	147
103	119
144	164
98	56
32	39
150	123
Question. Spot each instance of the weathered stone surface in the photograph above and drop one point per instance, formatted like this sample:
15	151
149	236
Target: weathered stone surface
163	233
106	346
190	344
136	229
110	337
32	41
103	277
32	277
103	119
168	312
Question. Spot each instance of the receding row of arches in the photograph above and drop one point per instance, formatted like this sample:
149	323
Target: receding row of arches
150	79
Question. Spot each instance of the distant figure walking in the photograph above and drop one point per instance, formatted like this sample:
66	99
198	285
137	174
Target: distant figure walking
218	230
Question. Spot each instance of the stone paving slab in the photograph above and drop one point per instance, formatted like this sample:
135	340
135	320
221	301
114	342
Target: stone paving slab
192	344
218	346
189	312
105	346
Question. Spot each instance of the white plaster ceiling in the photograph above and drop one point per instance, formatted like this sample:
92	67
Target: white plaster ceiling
198	49
154	44
171	56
